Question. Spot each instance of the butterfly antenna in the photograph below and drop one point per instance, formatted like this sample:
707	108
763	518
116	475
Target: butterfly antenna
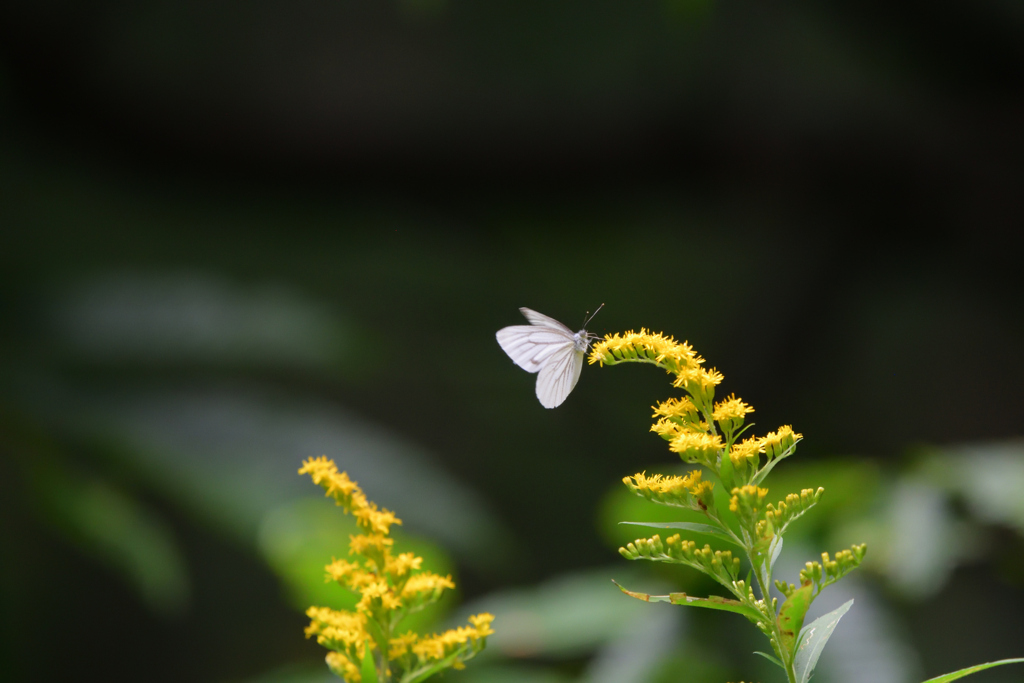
587	321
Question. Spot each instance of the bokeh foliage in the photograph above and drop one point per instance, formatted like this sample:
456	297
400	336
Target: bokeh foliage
233	236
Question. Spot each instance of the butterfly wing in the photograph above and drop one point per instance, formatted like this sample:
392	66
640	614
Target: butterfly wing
558	376
530	346
541	320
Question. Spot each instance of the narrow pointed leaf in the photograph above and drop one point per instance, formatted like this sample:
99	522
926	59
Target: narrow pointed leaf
689	526
775	550
760	476
945	678
812	641
710	602
771	659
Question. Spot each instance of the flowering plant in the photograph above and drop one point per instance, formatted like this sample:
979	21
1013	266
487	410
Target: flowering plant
366	645
725	487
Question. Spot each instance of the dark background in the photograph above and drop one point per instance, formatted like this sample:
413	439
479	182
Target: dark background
227	225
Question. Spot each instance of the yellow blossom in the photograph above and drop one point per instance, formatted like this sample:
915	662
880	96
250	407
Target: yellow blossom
778	442
426	583
342	666
349	573
336	628
698	381
360	544
401	565
651	347
401	645
747	499
389	588
378	521
731	408
482	622
675	407
682	491
746	450
336	484
378	595
696	447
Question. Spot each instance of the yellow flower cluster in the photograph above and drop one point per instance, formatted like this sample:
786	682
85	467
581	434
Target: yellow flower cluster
438	647
747	501
645	346
681	491
716	563
699	429
390	587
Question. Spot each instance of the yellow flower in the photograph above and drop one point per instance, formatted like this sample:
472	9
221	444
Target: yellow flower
359	545
336	628
482	622
675	407
647	346
778	442
696	447
349	573
401	565
731	408
378	596
700	383
375	520
682	491
390	587
426	584
336	484
340	665
747	450
401	645
747	499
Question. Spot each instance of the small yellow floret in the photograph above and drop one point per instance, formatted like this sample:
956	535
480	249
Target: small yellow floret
426	583
358	545
731	408
375	520
378	595
350	574
401	645
748	449
778	442
341	666
401	565
696	446
749	496
675	407
482	622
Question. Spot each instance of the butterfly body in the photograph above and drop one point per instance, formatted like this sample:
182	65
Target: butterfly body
550	349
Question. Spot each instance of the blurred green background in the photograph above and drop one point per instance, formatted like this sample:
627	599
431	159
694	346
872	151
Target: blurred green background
234	235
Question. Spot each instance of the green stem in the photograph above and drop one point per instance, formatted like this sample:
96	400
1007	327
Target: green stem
786	657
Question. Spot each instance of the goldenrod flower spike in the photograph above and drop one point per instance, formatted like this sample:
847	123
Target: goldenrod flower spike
389	587
710	435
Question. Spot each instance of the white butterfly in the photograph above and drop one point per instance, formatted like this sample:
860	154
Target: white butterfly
550	348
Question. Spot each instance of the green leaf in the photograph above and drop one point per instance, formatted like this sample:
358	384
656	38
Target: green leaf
369	667
792	613
710	602
945	678
760	476
775	550
771	659
690	526
725	472
812	641
375	631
